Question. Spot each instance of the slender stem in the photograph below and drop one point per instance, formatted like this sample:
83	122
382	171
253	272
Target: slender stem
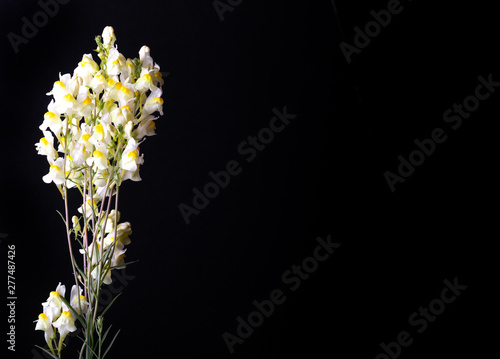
85	233
99	275
69	235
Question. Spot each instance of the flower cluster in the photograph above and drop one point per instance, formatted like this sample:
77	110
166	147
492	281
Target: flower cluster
96	120
99	116
57	317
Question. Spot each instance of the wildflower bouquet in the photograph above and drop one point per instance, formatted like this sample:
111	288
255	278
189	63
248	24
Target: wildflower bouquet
95	123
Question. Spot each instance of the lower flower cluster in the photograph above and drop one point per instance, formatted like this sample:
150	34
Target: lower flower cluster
59	315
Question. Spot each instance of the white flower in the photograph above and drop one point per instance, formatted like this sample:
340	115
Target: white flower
118	261
132	175
126	94
65	324
76	223
67	104
123	231
145	57
98	82
154	102
144	83
58	90
110	223
158	76
108	36
102	131
56	173
85	104
121	116
53	122
52	307
77	301
86	69
75	86
129	127
146	128
79	154
43	323
116	62
86	133
99	157
130	158
46	145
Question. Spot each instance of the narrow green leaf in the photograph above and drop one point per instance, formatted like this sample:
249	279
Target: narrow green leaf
111	344
47	351
62	217
110	304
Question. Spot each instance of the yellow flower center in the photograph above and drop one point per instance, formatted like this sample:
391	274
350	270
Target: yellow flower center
98	154
86	137
44	141
125	91
158	100
99	129
133	154
50	115
66	315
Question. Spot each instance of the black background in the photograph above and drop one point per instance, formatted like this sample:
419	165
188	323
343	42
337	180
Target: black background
323	175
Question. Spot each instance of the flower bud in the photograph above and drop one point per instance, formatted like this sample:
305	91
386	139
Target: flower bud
108	36
76	223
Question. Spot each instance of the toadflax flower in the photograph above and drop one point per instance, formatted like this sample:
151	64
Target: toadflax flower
77	301
43	323
131	158
64	324
52	307
56	172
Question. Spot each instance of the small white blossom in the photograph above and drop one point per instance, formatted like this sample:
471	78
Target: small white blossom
108	36
43	323
65	324
52	307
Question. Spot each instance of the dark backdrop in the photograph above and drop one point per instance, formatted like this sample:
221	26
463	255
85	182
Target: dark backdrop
322	176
